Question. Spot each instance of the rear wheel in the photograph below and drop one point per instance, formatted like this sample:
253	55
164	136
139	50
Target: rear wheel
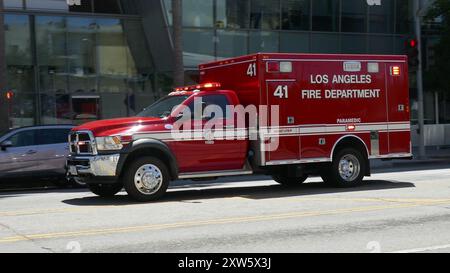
146	179
346	170
105	190
289	181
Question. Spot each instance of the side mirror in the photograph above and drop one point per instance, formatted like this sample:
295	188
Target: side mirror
6	144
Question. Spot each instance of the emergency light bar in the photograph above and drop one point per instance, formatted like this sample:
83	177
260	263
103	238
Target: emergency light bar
198	87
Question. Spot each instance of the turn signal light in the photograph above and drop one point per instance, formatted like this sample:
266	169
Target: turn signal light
395	71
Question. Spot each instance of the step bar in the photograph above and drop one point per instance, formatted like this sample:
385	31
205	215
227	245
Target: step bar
246	171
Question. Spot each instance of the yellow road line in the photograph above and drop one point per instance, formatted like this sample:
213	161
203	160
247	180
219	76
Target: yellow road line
235	220
289	199
41	211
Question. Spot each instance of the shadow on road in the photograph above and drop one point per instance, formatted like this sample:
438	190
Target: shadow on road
249	192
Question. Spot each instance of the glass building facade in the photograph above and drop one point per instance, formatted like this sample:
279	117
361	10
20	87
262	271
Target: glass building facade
102	59
75	64
216	29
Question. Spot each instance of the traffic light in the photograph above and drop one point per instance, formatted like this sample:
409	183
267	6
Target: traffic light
412	51
9	95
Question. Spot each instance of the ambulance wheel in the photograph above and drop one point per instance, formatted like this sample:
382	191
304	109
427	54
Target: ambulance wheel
146	179
289	181
346	170
105	190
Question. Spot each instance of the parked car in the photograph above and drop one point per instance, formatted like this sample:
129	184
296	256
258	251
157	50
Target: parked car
39	151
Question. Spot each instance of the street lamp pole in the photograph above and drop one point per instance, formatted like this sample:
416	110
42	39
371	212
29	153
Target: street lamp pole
177	13
420	96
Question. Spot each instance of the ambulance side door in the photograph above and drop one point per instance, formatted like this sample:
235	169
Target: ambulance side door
399	127
282	135
209	150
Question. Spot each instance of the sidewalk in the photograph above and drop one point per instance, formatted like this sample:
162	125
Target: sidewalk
440	157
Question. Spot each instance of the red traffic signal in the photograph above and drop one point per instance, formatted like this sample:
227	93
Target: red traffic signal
9	95
412	43
412	50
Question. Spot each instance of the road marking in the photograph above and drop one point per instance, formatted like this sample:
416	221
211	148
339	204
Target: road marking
42	211
424	249
289	199
235	220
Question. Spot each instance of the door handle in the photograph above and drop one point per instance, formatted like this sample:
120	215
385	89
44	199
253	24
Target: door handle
31	152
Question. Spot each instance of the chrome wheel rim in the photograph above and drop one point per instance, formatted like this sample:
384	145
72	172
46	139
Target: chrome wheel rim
148	179
349	168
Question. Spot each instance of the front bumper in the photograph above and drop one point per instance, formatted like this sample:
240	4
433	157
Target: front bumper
93	166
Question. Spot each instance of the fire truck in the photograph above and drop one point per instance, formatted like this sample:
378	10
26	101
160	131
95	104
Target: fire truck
301	115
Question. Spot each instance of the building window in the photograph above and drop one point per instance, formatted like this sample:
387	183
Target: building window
56	109
263	41
381	18
231	43
13	4
51	53
403	16
381	44
354	43
291	42
265	14
18	40
22	111
107	6
325	15
198	46
232	14
81	52
295	14
59	5
112	56
324	43
18	53
198	13
354	16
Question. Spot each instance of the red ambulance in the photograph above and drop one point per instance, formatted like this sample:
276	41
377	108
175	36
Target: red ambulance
295	115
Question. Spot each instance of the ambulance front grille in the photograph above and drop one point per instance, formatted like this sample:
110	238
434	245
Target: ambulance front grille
82	143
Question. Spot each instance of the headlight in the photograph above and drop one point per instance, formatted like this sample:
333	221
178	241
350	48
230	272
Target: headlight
109	143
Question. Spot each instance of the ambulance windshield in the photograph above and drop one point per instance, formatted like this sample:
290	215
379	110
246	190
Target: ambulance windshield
163	107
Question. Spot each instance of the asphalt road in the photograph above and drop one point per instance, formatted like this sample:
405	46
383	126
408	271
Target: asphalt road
406	211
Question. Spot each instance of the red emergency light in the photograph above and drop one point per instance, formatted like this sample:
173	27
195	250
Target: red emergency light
273	67
208	85
282	67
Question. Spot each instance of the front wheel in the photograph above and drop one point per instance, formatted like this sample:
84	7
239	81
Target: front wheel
77	182
346	170
146	179
105	190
